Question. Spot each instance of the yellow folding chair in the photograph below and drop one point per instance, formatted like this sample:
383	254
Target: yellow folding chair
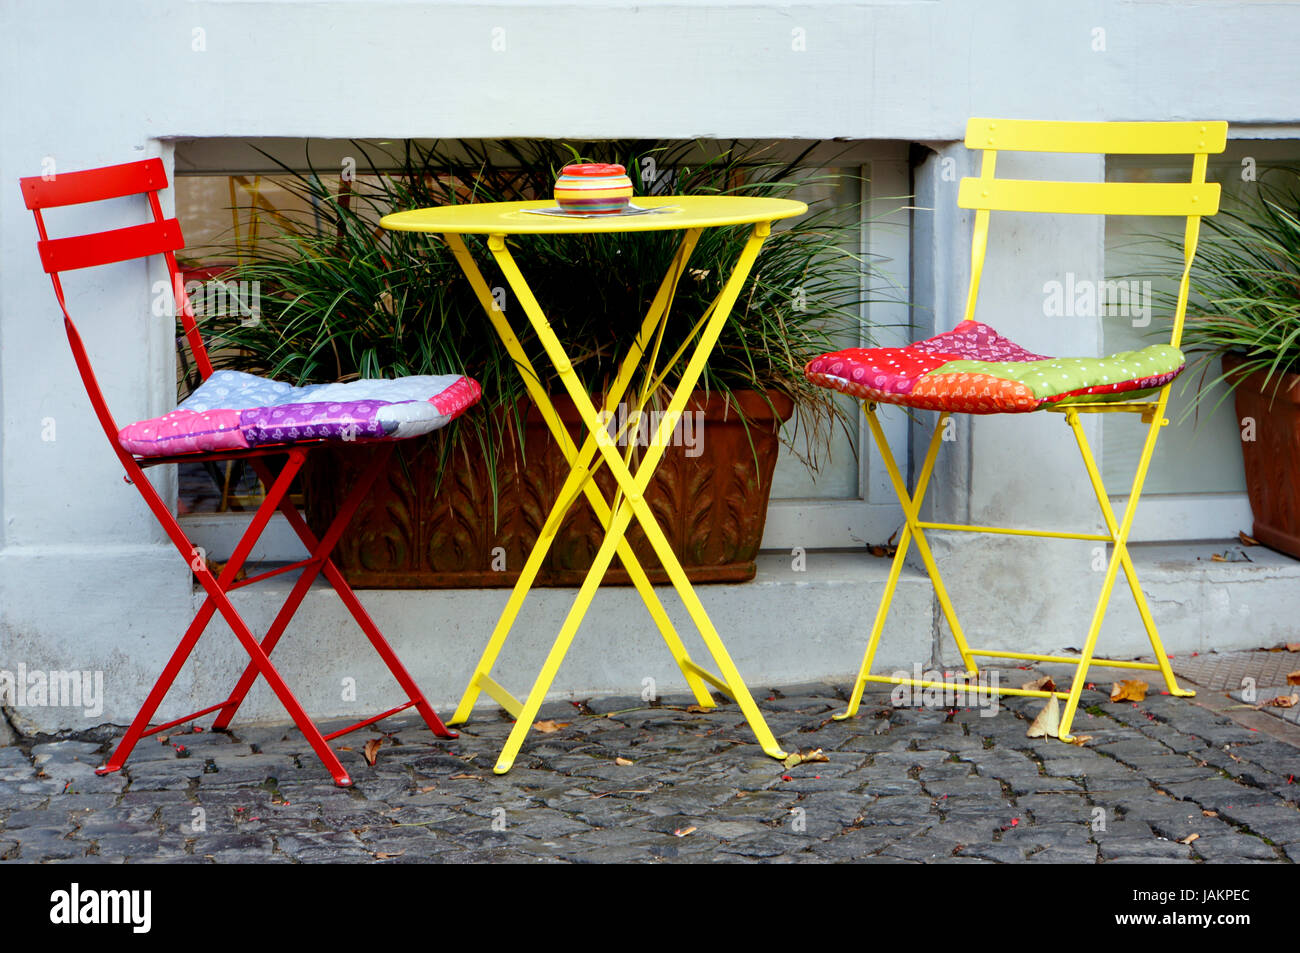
972	369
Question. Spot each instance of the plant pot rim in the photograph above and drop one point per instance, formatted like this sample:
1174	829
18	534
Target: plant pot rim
1285	385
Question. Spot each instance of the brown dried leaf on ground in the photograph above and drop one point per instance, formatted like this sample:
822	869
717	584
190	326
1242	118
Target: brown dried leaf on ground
1048	722
805	757
623	762
1247	540
1284	701
1130	690
1293	678
683	831
372	750
215	568
550	726
1189	838
1080	740
1044	684
698	710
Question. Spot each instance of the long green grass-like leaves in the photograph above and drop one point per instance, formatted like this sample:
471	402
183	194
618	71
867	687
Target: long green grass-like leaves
1245	284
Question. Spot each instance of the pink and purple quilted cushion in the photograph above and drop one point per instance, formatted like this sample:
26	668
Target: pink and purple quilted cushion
974	370
232	410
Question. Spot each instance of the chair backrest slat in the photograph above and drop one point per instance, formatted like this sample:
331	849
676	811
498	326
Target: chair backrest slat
103	248
1090	198
159	236
1112	138
1191	200
94	185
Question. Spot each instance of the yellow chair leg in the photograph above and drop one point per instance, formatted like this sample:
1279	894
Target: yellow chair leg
1139	598
1119	557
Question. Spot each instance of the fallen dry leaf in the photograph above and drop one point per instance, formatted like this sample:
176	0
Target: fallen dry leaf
623	762
465	777
1189	838
1048	722
1080	740
1210	813
388	855
698	710
1284	701
1293	678
805	757
372	750
550	726
1216	558
1247	540
428	788
1131	690
683	831
215	568
1293	646
1044	684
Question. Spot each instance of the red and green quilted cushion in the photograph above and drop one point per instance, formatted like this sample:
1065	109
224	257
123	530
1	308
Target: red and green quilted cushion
974	370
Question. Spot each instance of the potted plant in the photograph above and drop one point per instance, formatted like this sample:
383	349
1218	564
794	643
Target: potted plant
1246	293
341	298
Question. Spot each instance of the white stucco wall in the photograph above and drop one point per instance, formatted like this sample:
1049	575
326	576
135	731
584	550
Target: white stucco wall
84	580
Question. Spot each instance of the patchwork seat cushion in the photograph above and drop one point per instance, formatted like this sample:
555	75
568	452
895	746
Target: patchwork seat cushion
232	410
974	370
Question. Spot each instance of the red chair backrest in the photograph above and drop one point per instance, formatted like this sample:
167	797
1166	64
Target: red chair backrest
161	236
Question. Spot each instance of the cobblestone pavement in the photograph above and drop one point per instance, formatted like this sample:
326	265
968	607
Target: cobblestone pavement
1165	780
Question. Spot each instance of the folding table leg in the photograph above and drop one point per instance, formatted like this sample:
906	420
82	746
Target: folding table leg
634	487
579	479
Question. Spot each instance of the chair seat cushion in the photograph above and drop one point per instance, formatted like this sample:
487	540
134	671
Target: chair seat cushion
232	410
974	370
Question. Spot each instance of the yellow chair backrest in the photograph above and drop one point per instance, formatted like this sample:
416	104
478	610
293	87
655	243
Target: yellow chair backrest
1192	199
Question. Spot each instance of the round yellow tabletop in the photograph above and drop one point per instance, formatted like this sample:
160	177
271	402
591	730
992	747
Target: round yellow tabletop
521	218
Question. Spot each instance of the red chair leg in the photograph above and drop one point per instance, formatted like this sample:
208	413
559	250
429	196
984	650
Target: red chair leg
218	601
320	561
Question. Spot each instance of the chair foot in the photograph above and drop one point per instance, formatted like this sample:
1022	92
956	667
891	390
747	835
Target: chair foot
105	769
1183	693
504	765
775	753
844	715
343	780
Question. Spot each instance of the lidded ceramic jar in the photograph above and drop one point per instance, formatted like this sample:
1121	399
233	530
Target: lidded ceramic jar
593	188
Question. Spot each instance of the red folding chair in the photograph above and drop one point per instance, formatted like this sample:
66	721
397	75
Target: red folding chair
254	441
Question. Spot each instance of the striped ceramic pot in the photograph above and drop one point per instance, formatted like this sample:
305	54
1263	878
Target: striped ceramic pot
594	188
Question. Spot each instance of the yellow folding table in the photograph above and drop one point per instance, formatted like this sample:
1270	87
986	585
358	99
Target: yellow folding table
689	215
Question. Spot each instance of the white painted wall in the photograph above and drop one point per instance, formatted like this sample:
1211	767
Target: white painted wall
84	582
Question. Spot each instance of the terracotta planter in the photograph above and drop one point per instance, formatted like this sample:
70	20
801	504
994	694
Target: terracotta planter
709	493
1273	457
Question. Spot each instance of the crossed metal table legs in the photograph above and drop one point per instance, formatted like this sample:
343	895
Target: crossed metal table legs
628	501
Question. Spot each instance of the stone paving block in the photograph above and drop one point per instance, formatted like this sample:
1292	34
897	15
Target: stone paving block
1217	794
1080	854
1232	848
1150	849
1279	823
